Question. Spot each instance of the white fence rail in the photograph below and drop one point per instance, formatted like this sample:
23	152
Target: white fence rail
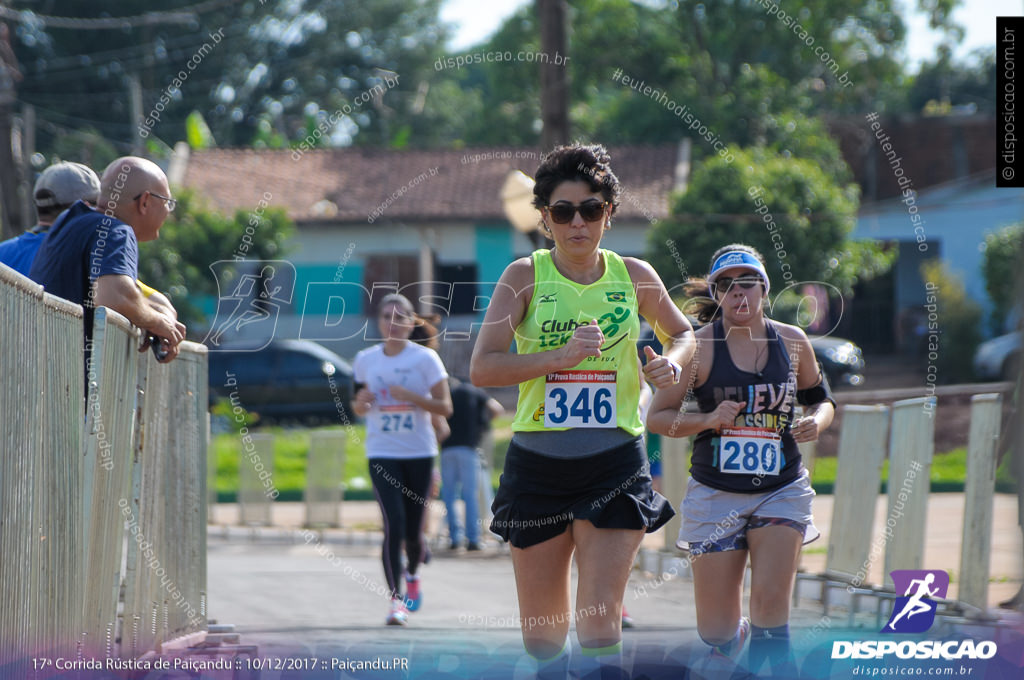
903	434
41	403
325	477
975	557
82	481
859	473
911	449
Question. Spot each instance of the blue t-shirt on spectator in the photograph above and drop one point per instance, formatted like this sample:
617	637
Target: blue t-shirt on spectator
81	246
18	252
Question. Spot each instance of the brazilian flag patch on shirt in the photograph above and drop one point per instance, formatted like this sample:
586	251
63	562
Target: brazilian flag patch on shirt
616	296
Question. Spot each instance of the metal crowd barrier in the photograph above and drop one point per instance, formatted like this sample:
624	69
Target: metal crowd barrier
165	582
325	476
862	449
911	449
254	504
980	485
904	434
675	475
97	496
41	403
109	422
853	549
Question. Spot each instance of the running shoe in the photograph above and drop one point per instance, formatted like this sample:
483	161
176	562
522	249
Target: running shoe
398	616
473	546
627	620
413	595
736	647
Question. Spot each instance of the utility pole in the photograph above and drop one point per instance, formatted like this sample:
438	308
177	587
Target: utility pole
10	204
554	77
135	97
554	83
28	149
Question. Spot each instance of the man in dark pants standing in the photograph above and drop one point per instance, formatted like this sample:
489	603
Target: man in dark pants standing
472	412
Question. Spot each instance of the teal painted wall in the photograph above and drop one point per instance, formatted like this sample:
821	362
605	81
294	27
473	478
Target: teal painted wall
320	294
493	250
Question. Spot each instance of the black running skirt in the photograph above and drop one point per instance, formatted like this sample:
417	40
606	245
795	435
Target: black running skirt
539	496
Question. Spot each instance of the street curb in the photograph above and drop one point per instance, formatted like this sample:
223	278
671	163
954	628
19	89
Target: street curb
327	536
295	536
655	562
659	563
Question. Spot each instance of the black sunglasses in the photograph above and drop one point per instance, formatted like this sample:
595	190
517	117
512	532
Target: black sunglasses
746	283
562	213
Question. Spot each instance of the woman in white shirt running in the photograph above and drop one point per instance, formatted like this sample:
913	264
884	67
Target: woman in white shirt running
401	384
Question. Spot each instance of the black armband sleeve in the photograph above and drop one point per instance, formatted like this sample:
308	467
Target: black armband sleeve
817	394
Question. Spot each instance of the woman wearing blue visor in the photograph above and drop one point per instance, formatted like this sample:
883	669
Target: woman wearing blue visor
749	494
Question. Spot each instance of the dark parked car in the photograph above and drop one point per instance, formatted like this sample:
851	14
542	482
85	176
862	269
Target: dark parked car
287	381
998	358
841	359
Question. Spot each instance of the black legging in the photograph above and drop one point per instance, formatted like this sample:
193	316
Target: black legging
401	487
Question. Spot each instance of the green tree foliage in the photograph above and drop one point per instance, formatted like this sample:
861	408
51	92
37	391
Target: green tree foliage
193	237
80	76
734	64
740	201
279	69
1001	266
942	84
959	319
86	146
308	60
284	67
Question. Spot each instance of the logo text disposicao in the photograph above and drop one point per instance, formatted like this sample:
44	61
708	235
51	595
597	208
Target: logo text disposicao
907	649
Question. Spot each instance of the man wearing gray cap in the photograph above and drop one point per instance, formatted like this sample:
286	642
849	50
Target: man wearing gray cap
57	188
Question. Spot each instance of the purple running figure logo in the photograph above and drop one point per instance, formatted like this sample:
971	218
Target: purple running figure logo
915	611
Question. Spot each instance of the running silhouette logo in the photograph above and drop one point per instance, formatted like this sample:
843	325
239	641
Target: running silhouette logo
915	611
249	302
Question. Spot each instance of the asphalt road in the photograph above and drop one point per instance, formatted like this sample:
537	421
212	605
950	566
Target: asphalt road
328	602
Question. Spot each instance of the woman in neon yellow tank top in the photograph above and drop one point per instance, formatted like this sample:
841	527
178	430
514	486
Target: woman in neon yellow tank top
576	477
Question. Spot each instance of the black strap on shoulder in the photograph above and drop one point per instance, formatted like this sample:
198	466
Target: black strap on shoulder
818	393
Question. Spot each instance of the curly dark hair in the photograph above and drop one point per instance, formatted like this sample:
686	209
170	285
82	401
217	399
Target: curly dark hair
588	163
701	304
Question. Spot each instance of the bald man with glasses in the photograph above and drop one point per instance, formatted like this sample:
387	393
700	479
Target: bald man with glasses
90	255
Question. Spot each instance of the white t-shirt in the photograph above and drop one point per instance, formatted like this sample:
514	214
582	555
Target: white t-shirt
398	429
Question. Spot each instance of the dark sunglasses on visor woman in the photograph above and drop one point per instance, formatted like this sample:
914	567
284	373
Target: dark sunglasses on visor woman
724	283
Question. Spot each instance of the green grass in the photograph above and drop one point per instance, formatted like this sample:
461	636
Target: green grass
948	473
291	447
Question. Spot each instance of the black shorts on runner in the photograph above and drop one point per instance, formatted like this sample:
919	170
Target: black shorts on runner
539	496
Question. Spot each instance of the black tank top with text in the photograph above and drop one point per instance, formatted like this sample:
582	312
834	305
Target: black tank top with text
759	453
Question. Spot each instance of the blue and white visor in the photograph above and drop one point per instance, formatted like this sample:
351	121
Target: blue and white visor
738	258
